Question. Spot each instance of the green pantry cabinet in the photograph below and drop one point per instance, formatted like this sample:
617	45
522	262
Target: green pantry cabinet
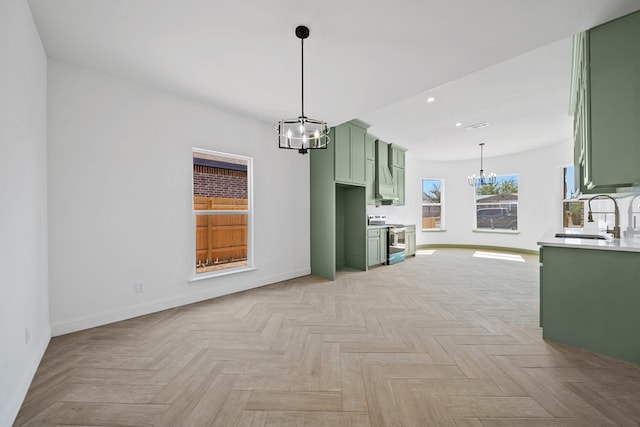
343	180
338	202
606	105
590	298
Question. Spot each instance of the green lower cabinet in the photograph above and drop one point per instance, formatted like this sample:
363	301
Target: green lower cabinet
590	299
410	241
376	246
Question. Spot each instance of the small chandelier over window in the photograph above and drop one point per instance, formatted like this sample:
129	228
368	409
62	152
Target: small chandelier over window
302	133
482	179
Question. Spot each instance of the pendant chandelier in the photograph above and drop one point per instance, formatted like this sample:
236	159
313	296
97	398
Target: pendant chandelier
482	179
302	133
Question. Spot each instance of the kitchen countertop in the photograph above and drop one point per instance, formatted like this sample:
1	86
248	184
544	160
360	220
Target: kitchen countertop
371	227
623	244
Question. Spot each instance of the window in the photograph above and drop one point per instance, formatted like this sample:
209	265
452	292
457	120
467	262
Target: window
222	210
432	202
497	204
573	210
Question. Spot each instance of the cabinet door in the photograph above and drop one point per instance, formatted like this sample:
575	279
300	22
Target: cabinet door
398	178
411	243
396	156
350	160
614	90
373	247
370	147
370	173
383	246
342	153
357	155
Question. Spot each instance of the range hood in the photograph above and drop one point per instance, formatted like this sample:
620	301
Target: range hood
385	186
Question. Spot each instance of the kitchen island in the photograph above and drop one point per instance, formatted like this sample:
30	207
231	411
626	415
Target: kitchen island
590	294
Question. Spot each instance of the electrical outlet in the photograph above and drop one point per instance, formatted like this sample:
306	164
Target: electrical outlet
139	287
27	335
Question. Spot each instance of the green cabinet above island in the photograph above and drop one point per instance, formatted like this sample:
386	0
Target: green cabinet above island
606	105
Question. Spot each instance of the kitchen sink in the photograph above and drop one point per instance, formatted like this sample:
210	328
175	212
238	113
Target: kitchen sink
583	236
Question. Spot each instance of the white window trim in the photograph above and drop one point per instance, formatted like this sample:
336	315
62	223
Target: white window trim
250	214
499	230
441	204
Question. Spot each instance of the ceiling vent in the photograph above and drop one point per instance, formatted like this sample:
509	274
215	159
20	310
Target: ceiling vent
477	126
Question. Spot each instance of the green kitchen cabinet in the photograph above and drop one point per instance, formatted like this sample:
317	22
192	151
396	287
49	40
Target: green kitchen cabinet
606	105
349	140
396	156
410	241
397	166
338	217
385	186
398	178
589	299
370	171
376	246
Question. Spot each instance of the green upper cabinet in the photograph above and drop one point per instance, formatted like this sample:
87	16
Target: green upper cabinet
606	105
396	156
370	168
396	164
350	158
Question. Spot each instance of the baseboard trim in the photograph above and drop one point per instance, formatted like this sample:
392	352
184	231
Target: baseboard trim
481	247
10	411
208	292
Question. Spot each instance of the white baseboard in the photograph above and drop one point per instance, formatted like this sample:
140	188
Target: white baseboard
98	319
12	407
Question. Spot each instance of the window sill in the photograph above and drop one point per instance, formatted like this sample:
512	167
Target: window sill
213	275
434	230
494	231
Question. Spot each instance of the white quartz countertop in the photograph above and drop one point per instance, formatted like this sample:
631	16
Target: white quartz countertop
627	244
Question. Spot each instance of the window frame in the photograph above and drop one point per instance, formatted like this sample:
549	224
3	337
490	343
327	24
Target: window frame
440	204
499	206
249	212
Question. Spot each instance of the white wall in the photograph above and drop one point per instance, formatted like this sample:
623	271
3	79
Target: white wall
540	197
120	197
23	205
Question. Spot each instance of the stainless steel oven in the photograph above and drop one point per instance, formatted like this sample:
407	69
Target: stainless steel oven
396	247
395	238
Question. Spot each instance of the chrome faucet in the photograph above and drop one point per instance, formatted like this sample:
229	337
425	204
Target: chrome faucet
631	225
616	228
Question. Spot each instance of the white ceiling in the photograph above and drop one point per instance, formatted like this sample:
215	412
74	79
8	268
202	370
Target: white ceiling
506	62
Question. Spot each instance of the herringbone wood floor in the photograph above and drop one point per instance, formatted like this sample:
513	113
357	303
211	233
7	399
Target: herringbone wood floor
446	339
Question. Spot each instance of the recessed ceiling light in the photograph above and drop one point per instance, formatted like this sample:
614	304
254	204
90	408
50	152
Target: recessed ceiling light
477	126
430	99
458	124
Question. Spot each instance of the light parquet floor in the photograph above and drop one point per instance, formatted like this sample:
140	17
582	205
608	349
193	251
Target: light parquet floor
445	339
